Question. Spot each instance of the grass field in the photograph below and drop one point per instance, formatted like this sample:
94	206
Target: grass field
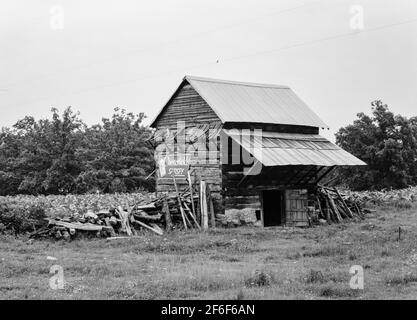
241	263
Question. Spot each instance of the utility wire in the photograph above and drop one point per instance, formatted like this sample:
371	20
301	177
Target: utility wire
301	44
334	37
163	44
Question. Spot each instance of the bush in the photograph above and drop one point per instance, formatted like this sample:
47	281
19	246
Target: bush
337	291
315	277
21	216
402	279
259	279
65	206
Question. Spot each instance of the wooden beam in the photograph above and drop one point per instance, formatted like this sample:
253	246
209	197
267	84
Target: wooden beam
325	174
316	173
179	204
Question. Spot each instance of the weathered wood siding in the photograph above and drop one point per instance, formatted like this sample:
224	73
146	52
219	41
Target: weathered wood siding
296	207
188	106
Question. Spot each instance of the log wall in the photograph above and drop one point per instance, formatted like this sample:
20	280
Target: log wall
187	105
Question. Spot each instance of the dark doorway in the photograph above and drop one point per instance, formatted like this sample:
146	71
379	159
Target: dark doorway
272	207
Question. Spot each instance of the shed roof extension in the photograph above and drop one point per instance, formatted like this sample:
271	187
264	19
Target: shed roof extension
282	149
252	102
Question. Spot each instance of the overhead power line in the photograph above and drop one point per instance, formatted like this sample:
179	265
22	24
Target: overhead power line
269	51
163	44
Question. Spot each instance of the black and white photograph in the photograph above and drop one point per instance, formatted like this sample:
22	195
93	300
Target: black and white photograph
210	155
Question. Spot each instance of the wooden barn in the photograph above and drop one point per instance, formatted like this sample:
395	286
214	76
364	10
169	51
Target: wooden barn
257	146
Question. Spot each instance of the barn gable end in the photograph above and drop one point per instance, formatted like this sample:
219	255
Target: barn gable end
185	105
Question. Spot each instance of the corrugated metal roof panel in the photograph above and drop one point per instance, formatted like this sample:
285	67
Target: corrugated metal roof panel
257	103
280	150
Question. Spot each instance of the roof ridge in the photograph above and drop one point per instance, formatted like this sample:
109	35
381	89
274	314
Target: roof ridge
240	83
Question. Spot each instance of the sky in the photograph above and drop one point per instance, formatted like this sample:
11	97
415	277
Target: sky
95	55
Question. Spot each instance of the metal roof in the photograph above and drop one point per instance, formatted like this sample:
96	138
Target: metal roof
234	101
282	149
250	102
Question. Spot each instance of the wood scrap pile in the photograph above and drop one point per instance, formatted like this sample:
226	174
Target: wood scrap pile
334	207
177	210
105	223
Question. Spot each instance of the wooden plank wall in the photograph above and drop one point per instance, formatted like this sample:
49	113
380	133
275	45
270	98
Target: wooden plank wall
188	106
295	207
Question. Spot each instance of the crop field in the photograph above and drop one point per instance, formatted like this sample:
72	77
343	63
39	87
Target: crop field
237	263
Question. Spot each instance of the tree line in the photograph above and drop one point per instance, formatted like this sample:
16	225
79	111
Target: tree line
63	155
387	143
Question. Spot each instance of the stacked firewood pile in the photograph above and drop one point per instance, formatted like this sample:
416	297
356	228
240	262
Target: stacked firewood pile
169	211
334	207
124	221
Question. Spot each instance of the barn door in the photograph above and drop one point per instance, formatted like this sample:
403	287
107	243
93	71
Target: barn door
296	207
272	206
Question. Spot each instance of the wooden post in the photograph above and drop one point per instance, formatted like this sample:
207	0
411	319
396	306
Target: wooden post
203	204
198	209
191	192
179	204
211	206
167	214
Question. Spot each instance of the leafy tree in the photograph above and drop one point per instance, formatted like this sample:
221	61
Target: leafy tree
387	143
62	155
116	156
40	156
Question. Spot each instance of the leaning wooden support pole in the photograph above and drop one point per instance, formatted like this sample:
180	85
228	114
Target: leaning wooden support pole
329	212
148	227
191	192
186	216
203	203
348	212
358	209
192	216
334	209
179	204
